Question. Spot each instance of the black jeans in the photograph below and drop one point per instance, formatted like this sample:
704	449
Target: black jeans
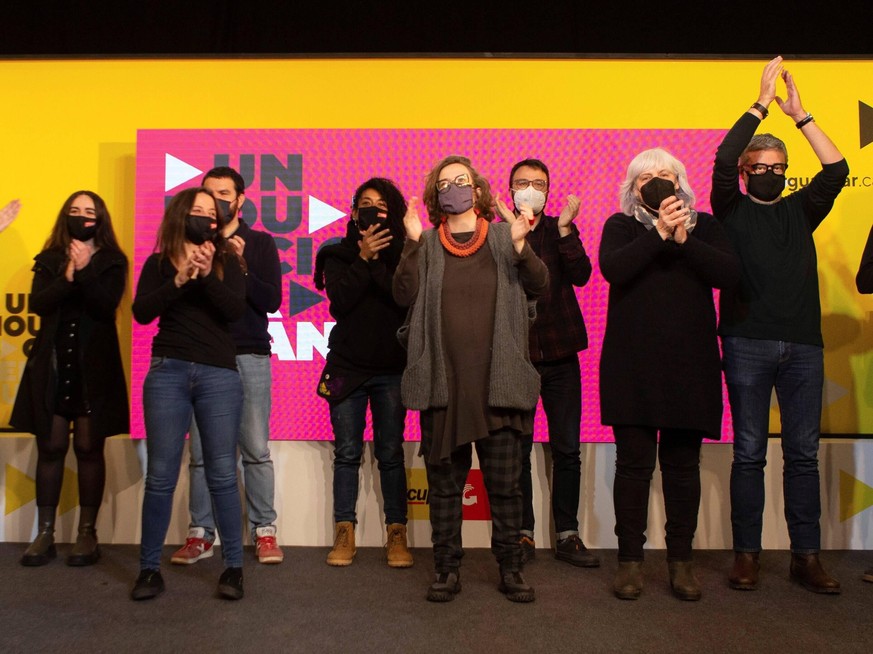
679	456
561	392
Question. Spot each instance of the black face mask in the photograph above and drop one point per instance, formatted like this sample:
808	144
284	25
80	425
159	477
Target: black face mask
224	206
371	216
766	187
78	230
655	191
199	229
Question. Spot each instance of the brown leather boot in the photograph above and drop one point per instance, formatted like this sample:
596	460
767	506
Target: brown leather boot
806	569
683	582
86	551
628	583
42	549
396	549
744	575
343	552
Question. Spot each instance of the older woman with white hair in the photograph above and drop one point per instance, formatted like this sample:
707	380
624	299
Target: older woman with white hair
660	369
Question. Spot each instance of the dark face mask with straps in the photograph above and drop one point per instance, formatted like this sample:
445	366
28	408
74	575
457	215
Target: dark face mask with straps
766	187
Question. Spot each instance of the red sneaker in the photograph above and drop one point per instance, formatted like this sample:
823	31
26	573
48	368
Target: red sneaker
196	547
266	548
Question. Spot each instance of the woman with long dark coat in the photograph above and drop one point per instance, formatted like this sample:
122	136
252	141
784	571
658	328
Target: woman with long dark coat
74	373
660	369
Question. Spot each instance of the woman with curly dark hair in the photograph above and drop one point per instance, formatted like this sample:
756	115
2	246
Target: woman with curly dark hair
365	363
74	374
472	286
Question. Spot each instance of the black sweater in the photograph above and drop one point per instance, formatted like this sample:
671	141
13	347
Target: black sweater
778	297
660	364
263	291
364	339
194	318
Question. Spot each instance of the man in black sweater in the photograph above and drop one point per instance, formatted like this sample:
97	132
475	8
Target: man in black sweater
263	296
771	326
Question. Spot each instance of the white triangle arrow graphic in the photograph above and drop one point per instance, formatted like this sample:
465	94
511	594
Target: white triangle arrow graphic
177	172
321	214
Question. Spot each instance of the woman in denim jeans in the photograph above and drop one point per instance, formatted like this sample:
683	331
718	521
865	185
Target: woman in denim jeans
365	363
196	285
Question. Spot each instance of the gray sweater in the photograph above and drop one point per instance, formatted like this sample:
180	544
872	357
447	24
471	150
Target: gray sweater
521	278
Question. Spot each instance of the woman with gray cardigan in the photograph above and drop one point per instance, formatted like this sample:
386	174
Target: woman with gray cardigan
472	286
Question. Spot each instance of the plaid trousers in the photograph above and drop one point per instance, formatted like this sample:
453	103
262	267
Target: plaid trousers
500	461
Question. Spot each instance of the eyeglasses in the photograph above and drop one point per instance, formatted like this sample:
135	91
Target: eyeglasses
761	168
521	184
461	180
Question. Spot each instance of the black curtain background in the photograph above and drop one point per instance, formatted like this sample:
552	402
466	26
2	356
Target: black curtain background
739	28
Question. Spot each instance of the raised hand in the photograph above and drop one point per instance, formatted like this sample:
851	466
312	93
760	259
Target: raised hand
568	214
79	253
202	258
768	81
503	210
671	215
521	227
791	105
237	245
412	221
8	214
373	239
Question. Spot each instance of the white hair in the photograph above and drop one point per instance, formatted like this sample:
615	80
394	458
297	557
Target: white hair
646	160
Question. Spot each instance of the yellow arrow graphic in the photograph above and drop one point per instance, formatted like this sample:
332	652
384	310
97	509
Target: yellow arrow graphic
855	496
21	489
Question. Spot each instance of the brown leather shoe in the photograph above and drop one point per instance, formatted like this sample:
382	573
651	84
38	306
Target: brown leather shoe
868	575
628	582
806	570
744	575
683	583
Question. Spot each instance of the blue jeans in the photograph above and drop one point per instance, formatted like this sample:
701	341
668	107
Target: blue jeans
254	437
561	391
173	392
347	418
752	368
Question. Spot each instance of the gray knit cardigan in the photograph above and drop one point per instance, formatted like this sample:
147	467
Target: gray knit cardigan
514	382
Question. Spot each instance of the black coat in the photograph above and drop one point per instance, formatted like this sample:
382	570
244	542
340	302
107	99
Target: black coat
660	365
93	296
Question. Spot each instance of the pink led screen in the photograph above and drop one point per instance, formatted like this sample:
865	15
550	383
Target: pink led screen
300	184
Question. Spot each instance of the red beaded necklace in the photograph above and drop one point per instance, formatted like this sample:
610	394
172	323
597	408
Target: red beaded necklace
464	249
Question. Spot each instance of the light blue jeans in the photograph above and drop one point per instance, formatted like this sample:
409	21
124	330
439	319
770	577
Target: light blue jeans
174	391
254	436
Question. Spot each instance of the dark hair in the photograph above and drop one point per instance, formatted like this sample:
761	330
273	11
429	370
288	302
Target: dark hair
170	241
104	238
530	163
221	172
396	211
484	204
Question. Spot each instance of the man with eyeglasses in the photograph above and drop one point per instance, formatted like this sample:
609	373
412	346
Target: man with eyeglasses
556	338
771	326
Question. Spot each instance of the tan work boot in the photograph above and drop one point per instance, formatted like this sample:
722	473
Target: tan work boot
343	552
398	553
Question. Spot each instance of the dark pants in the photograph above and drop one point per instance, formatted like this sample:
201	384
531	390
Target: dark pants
752	369
500	461
561	392
679	456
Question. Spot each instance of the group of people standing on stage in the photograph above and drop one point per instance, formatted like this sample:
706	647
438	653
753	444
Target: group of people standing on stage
470	323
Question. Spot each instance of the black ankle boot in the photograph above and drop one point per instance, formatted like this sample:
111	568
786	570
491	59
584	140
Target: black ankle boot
42	549
86	551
